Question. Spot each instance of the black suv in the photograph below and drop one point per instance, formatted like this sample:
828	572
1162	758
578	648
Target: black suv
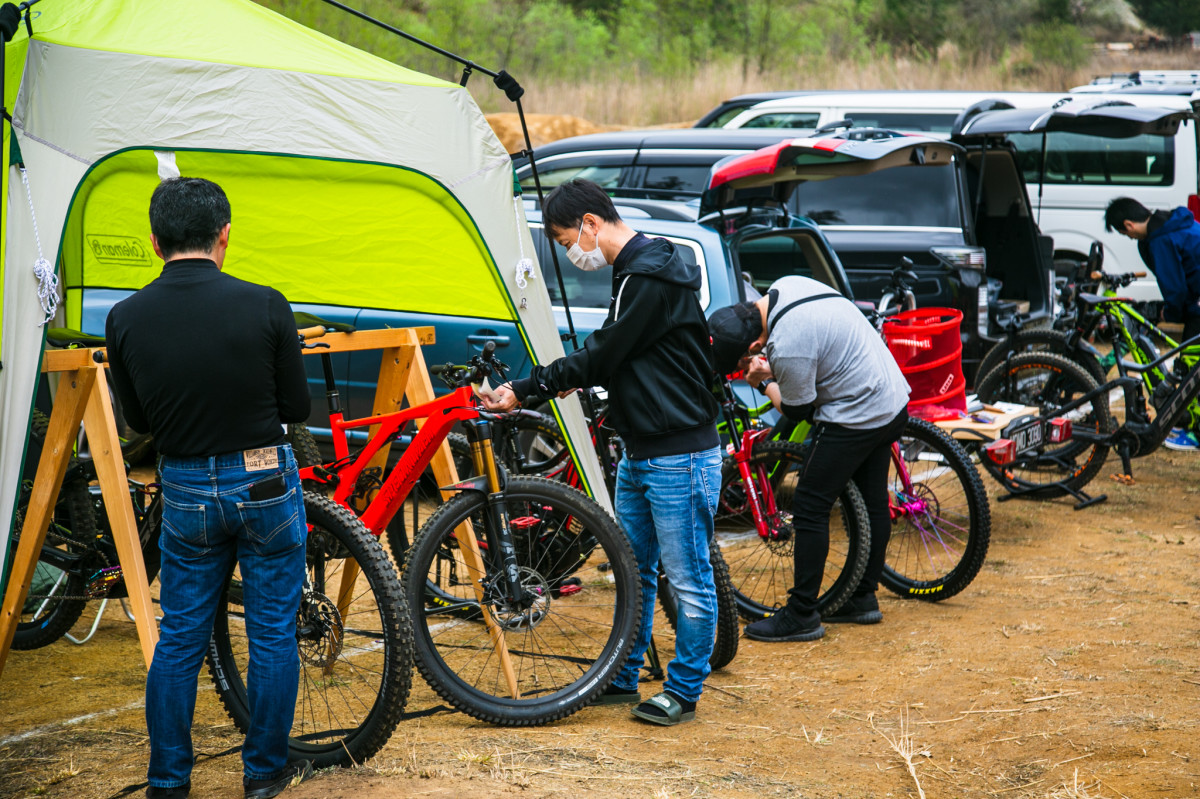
874	211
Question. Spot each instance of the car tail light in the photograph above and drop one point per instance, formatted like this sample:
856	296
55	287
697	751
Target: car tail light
1060	430
1002	451
971	263
961	257
1193	205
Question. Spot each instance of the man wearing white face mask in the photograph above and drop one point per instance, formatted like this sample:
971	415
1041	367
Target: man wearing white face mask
654	356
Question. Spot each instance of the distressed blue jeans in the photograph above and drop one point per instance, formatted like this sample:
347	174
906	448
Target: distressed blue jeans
666	506
209	522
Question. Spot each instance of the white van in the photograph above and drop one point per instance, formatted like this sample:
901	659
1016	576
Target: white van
931	112
1082	175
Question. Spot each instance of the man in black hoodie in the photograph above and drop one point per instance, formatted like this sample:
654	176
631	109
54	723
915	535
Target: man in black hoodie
653	356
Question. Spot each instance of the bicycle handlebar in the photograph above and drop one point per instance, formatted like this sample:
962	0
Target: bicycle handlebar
1116	281
474	372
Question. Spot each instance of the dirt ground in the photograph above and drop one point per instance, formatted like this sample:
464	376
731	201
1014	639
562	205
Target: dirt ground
1067	669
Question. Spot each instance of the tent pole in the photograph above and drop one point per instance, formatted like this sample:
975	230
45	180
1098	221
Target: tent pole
513	91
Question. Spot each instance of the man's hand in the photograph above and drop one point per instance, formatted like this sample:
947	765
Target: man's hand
758	370
501	399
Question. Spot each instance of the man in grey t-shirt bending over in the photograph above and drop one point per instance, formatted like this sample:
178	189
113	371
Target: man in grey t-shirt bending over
814	354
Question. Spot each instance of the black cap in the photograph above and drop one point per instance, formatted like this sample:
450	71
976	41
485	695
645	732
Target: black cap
733	329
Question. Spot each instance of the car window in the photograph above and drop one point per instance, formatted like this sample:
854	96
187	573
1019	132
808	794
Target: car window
720	119
903	120
594	289
781	119
676	181
765	259
904	196
1145	160
608	176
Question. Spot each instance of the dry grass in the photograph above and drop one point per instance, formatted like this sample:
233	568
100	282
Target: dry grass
624	98
905	745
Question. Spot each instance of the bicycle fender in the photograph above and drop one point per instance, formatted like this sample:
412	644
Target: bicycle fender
479	483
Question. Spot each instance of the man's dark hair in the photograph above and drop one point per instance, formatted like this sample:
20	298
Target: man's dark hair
1121	209
733	329
565	206
187	214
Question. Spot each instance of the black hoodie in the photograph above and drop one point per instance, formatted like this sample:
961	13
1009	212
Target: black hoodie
652	354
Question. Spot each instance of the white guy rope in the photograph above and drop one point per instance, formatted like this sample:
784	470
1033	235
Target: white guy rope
43	270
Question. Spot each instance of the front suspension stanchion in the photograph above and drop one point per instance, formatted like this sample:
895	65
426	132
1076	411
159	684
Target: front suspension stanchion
479	434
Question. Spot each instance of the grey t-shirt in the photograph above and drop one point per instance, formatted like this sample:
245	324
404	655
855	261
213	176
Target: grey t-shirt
825	353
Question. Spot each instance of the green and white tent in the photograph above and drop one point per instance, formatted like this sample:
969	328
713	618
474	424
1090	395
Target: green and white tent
353	181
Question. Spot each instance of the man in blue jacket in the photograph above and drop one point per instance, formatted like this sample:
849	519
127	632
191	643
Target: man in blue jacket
1169	243
654	356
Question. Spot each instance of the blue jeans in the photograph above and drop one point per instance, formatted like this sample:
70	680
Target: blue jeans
666	506
209	521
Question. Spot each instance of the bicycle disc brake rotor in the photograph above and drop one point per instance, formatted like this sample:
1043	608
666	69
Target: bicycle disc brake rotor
527	614
322	542
319	630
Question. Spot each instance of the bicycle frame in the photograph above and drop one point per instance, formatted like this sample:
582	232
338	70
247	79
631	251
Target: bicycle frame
441	416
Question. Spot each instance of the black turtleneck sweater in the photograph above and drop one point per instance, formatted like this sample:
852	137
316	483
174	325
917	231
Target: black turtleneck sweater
208	363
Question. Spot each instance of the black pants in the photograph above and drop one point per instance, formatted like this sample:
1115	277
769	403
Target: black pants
1191	327
836	456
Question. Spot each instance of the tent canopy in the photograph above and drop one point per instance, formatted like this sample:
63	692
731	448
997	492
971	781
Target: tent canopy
353	181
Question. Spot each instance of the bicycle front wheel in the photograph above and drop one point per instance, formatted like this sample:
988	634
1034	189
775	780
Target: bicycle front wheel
762	567
541	656
1048	382
941	522
354	639
725	643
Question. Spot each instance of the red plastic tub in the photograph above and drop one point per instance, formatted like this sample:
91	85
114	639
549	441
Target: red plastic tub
927	344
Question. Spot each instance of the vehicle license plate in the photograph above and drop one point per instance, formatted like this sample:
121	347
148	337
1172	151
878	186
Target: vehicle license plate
1028	438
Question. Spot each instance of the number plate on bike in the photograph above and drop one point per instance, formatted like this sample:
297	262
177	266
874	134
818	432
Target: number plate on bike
1028	438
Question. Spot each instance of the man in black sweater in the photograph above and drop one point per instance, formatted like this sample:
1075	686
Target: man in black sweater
211	366
653	355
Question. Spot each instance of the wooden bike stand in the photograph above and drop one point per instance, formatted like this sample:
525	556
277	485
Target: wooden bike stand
82	398
403	373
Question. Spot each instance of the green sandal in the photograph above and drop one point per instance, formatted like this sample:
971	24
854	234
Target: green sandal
664	702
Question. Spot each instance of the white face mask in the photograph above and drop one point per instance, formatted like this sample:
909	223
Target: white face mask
588	261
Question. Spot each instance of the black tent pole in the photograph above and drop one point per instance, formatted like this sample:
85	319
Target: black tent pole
513	91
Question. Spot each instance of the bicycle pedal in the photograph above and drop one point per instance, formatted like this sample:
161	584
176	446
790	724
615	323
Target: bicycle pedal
566	590
1124	479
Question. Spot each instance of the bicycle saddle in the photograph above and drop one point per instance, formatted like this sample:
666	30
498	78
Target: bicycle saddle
312	320
69	339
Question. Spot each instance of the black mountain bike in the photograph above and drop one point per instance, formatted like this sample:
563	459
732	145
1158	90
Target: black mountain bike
1064	447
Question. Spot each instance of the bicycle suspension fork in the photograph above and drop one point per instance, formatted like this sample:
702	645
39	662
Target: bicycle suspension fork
498	530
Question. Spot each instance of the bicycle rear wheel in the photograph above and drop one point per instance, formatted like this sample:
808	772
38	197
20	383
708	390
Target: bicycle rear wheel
1041	339
354	638
762	569
1047	382
941	522
565	639
58	589
725	644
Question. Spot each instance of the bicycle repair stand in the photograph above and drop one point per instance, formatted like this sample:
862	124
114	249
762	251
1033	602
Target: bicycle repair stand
82	398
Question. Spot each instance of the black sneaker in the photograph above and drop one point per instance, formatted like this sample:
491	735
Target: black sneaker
857	610
294	774
177	792
783	625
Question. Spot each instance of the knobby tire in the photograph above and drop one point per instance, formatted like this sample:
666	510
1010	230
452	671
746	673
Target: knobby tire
355	667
